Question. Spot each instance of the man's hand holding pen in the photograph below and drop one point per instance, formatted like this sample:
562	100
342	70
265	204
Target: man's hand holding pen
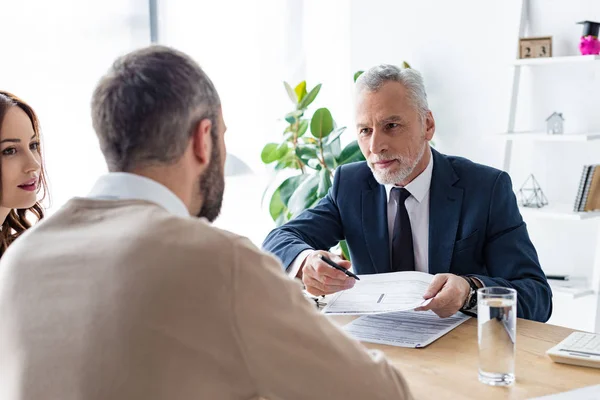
320	278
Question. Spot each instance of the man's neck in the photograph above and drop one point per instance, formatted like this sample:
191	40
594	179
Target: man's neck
419	168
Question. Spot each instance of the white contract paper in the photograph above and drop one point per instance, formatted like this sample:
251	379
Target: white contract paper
413	329
381	293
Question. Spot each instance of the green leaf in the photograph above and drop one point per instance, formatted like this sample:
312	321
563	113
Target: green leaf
405	65
335	135
292	117
309	98
306	153
302	127
351	153
304	195
282	219
321	123
314	164
334	148
329	160
324	183
273	152
267	151
357	74
300	90
288	135
291	93
289	161
289	186
276	206
345	250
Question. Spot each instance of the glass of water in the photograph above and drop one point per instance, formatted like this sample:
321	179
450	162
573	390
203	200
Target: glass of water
497	335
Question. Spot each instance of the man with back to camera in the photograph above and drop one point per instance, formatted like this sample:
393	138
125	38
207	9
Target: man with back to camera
411	208
125	294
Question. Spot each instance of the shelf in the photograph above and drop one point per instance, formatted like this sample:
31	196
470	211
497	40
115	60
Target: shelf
558	211
556	60
574	288
544	137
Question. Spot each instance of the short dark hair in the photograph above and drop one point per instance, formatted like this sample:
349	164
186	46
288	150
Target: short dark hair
147	106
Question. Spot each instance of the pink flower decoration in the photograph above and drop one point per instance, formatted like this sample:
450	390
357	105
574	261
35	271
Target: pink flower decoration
589	45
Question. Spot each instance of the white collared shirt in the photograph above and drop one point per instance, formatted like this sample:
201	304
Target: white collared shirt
126	186
417	206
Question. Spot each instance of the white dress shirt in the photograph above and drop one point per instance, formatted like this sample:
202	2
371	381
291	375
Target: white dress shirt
417	206
125	186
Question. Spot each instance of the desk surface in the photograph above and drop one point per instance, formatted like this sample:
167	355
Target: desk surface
447	368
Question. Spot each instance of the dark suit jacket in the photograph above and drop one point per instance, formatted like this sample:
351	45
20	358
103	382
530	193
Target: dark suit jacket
475	229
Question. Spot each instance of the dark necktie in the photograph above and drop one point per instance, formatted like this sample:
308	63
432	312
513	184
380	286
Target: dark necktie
403	256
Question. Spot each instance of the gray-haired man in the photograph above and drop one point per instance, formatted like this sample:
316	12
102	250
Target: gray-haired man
410	208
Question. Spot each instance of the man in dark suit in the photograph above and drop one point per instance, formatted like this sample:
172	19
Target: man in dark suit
410	208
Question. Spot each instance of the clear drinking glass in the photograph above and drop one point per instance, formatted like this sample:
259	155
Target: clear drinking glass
497	335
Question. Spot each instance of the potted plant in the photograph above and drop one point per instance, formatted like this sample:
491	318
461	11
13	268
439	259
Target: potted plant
311	148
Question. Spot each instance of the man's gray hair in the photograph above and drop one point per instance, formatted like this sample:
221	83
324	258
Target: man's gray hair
147	106
373	79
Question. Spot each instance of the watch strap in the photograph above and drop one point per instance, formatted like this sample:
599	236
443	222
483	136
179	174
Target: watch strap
471	301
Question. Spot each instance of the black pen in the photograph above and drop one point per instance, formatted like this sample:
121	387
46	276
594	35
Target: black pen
558	277
339	268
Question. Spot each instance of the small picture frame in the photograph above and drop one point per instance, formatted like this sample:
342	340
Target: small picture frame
535	47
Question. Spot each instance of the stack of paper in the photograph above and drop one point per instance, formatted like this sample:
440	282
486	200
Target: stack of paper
381	293
387	302
403	328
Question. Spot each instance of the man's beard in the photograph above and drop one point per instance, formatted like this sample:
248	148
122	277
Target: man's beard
406	168
212	186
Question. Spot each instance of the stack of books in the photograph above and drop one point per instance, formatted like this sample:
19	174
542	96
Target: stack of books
588	194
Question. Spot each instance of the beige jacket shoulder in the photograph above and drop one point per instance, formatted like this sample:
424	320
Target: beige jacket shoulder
122	300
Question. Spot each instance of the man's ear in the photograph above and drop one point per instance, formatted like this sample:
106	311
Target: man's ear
202	141
429	125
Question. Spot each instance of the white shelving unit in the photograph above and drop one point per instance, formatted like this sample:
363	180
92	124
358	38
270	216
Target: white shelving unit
555	60
581	288
544	137
558	211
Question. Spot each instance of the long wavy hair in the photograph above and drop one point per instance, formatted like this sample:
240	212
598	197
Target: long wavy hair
18	220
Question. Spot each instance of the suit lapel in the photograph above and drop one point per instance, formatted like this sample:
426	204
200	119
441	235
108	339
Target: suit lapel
444	214
375	226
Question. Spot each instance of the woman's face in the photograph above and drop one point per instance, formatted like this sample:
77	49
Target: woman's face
20	160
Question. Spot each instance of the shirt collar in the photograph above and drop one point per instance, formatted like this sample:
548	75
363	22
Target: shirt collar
126	186
419	186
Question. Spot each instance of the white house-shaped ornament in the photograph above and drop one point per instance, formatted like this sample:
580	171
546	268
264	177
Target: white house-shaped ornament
555	124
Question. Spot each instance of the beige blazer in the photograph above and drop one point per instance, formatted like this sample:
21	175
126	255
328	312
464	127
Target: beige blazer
123	300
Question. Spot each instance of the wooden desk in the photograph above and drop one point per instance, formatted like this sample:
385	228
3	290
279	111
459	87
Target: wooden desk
447	369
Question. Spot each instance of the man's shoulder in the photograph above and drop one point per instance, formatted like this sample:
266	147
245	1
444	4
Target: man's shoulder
144	224
197	236
356	172
471	171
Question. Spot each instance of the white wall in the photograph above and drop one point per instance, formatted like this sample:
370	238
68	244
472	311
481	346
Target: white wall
53	54
464	49
248	48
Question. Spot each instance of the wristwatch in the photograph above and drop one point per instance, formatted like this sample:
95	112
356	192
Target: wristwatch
471	301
